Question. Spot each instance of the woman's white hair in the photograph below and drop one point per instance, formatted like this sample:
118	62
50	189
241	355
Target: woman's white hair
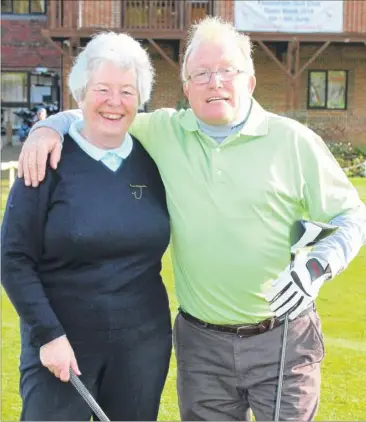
216	29
120	49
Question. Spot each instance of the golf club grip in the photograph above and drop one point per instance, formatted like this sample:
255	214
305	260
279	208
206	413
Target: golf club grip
86	395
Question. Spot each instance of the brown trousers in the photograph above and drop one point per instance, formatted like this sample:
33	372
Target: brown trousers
222	376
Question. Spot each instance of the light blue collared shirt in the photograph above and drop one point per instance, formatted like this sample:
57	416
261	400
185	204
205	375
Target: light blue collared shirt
112	158
220	133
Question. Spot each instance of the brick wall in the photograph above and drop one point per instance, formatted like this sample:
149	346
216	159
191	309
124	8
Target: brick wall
348	125
23	46
167	88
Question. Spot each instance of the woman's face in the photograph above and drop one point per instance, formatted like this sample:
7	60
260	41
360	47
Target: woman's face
110	103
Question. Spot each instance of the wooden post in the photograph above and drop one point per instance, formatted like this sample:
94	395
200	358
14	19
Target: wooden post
9	133
11	176
289	80
297	82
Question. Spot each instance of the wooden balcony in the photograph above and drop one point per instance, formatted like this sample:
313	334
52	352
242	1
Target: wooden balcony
140	18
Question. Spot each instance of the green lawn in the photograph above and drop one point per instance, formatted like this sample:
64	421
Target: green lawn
342	305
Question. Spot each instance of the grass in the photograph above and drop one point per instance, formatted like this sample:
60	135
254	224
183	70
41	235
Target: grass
341	304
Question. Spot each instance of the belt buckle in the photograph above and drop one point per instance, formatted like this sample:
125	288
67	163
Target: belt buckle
259	328
238	331
244	328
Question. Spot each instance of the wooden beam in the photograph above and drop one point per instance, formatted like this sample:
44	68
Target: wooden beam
288	89
181	52
75	46
163	54
297	80
345	37
51	13
139	33
312	58
274	58
46	34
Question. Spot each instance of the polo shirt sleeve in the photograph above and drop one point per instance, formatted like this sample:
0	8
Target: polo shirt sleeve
330	197
22	234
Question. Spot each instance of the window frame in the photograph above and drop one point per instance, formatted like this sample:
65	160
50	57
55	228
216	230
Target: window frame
28	104
19	103
29	9
326	72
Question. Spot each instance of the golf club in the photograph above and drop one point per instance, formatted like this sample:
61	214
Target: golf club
86	395
303	234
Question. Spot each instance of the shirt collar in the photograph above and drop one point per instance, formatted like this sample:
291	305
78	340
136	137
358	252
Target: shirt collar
123	151
255	125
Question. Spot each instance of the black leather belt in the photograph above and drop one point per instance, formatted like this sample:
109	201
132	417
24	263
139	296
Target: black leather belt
244	330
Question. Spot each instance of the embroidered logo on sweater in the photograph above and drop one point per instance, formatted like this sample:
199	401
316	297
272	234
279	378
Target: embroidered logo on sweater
138	190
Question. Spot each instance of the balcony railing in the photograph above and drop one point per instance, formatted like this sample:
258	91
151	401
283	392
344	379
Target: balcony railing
163	15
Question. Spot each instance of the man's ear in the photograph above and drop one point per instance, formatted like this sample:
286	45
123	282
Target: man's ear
251	84
185	89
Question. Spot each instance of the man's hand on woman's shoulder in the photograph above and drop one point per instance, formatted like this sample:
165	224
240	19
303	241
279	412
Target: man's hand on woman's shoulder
33	157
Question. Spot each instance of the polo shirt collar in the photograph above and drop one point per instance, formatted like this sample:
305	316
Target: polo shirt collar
123	151
255	125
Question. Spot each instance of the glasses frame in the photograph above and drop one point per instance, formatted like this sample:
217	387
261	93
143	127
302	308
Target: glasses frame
236	72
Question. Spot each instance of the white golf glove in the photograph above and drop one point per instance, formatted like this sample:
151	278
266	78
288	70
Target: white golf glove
297	287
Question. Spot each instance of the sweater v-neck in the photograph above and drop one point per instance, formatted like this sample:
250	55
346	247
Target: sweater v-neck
69	142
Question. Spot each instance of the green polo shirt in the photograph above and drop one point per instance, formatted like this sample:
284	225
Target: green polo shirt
232	205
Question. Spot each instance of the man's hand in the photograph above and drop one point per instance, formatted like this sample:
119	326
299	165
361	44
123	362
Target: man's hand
297	287
58	356
33	157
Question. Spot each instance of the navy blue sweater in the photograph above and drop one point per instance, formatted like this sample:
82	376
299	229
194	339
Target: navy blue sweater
84	249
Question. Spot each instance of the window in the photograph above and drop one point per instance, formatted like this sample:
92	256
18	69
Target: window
23	7
25	91
14	87
328	89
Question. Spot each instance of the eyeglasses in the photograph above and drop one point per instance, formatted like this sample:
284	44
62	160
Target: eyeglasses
204	76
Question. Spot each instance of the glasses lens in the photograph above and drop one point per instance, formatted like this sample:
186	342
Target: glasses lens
200	77
226	74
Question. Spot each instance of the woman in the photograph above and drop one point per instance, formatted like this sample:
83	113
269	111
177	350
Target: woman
84	276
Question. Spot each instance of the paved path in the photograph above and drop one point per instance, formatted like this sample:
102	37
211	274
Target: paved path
10	153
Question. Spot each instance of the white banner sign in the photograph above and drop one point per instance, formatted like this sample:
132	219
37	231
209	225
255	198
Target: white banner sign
289	16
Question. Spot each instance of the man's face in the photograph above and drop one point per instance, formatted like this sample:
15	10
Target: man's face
217	102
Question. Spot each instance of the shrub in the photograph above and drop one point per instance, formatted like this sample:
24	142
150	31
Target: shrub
182	103
349	158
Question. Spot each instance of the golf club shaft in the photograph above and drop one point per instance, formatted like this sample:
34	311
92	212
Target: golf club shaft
282	369
283	356
86	395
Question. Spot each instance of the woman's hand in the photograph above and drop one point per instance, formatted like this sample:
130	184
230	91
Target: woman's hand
33	157
58	356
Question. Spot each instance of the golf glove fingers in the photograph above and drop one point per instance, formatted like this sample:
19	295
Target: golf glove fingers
296	287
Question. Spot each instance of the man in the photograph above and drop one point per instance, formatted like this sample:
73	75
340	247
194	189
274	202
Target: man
41	114
237	178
